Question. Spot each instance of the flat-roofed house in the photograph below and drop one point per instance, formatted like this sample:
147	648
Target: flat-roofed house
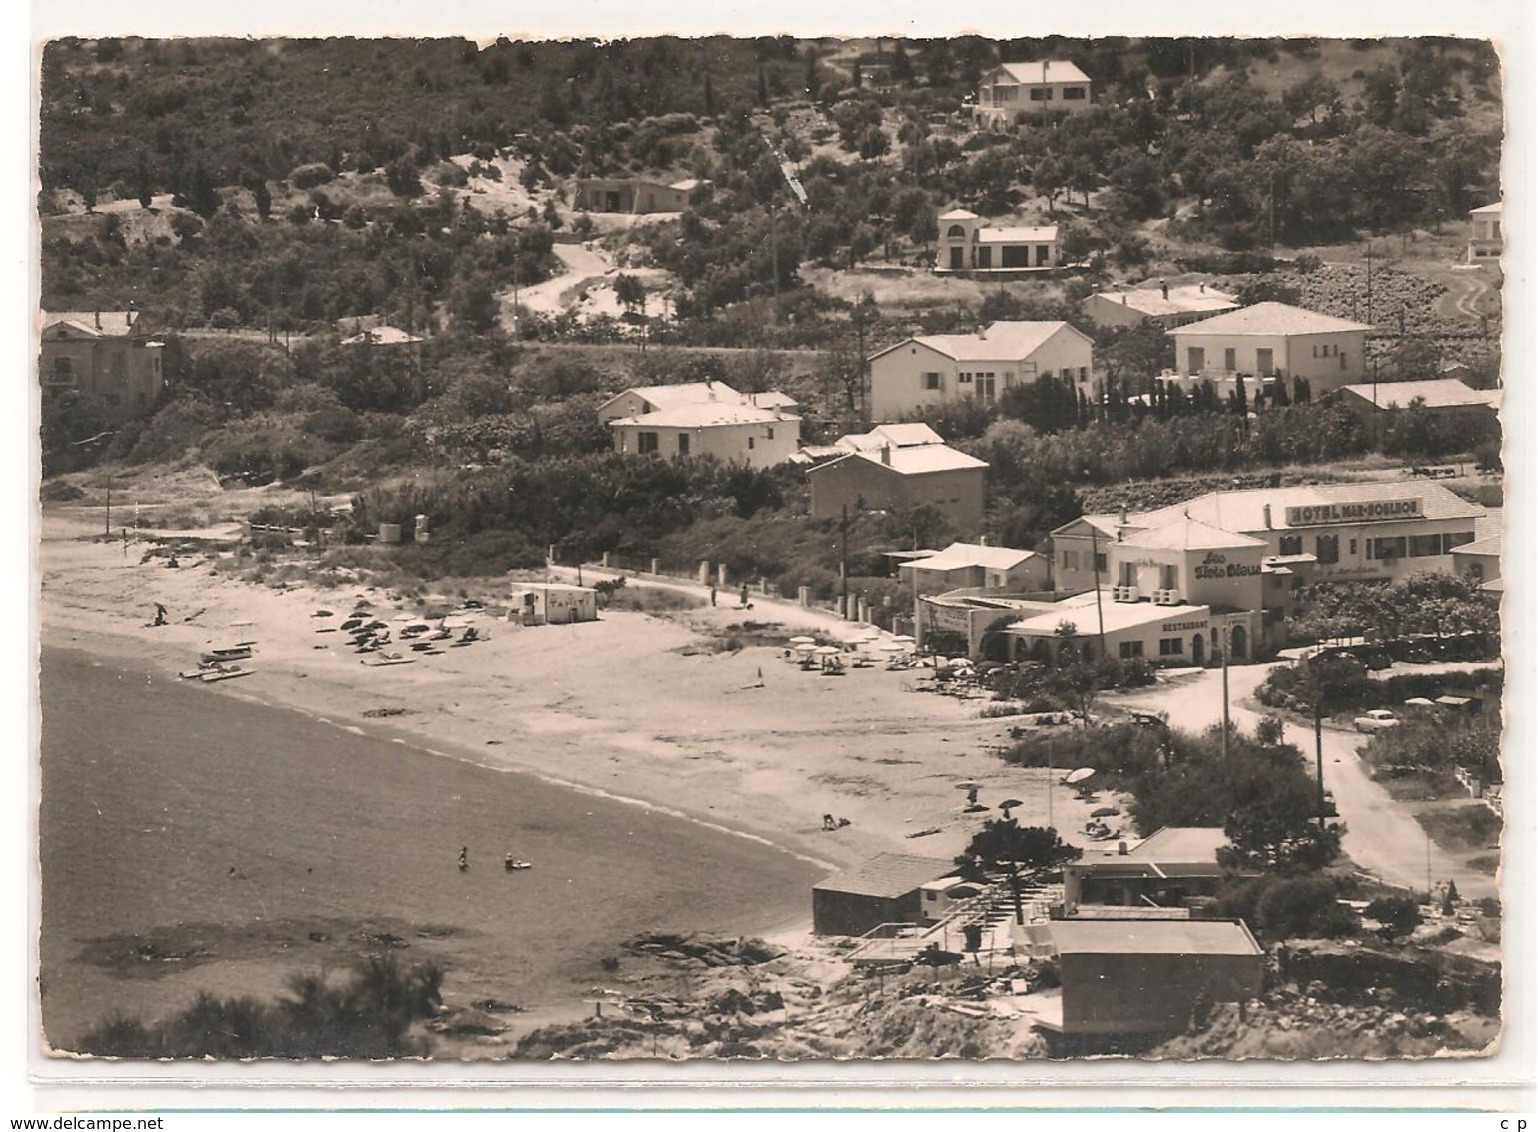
1486	240
1164	869
883	890
1270	340
900	479
632	194
1168	306
931	370
1126	980
1031	88
106	358
968	244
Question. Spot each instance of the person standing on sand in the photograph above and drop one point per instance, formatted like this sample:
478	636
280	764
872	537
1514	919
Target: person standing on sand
160	614
464	859
712	595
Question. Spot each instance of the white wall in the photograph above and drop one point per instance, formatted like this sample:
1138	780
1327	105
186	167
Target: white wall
897	377
1292	354
729	443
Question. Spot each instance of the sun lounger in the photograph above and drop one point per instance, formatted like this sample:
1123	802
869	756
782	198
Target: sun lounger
386	661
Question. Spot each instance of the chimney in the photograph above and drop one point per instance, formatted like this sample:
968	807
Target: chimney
1124	298
1121	848
886	455
98	320
1164	288
982	540
1122	515
1266	511
1202	288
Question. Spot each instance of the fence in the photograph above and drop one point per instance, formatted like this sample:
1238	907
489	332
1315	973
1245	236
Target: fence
729	587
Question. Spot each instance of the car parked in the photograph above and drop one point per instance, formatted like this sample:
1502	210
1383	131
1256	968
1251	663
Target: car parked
1378	719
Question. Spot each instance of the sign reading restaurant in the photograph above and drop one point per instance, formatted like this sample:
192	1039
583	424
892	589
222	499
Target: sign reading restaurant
1371	511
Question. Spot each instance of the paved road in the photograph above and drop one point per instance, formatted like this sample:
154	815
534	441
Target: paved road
1382	835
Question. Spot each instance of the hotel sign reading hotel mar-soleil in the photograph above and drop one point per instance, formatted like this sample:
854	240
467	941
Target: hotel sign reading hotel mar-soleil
1372	511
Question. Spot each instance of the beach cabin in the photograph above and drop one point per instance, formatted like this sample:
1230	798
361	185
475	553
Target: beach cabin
884	890
553	603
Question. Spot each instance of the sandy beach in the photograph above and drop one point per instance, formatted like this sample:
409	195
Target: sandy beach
636	705
642	716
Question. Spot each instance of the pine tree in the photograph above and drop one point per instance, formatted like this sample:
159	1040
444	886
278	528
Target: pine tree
710	98
856	76
204	197
813	81
263	197
142	179
763	88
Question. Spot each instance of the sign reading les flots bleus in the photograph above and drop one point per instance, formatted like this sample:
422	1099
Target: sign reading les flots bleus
1375	510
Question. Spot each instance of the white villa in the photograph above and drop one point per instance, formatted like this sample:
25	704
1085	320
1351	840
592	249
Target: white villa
1269	340
1011	88
933	369
968	244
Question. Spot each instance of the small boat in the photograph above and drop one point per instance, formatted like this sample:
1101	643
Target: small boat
225	672
385	660
517	866
219	656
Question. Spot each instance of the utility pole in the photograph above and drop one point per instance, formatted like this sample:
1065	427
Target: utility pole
843	563
1318	698
109	505
1227	638
1369	282
1094	543
774	253
1271	205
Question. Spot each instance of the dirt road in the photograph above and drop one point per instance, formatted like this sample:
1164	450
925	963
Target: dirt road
1382	835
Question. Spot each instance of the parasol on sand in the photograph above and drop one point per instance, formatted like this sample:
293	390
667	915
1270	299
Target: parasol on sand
806	646
1009	804
1077	776
803	640
826	650
1105	812
903	637
968	784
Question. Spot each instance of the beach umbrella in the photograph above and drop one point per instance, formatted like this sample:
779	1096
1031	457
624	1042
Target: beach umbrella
803	640
1105	812
806	646
893	646
826	650
1080	775
968	784
1009	804
904	638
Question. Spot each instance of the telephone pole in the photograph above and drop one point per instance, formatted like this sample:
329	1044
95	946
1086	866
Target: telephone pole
1094	543
843	563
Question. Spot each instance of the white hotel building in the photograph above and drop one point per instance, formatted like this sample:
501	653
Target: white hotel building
1167	585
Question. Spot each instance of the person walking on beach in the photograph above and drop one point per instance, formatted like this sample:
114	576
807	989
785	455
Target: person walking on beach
160	614
712	594
464	859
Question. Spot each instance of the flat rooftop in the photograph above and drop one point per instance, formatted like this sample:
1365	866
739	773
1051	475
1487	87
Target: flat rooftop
1151	937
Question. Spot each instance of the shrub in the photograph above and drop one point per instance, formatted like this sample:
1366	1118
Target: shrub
367	1016
309	176
1399	915
1280	908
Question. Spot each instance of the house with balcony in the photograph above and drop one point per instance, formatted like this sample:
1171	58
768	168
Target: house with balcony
1011	89
975	566
969	245
105	358
935	369
1271	340
1486	240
